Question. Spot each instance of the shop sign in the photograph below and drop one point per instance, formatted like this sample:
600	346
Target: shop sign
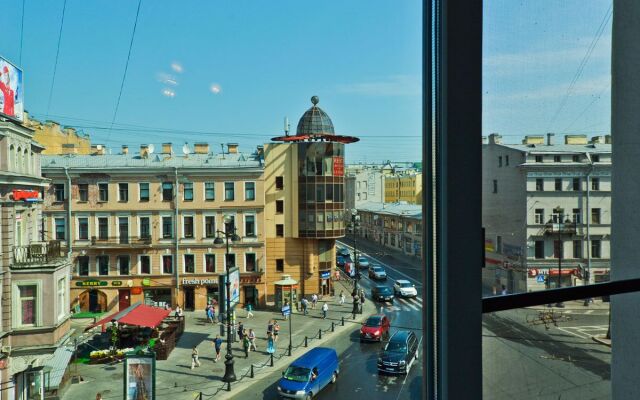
146	282
199	281
26	195
91	282
325	274
116	283
338	166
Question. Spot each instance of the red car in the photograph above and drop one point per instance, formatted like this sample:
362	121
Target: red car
376	328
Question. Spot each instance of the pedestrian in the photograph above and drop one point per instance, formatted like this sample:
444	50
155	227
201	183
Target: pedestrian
305	305
325	308
249	310
213	313
361	300
99	396
241	331
342	298
504	290
314	300
246	345
179	313
356	306
271	344
252	339
210	314
276	330
270	327
194	358
217	343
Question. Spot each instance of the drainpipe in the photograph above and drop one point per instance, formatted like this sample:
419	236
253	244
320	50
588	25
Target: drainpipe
177	271
69	238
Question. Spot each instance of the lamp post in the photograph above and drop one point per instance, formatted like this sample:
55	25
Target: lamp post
561	228
229	233
290	318
355	223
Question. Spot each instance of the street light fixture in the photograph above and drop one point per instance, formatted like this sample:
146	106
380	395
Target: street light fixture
355	223
229	233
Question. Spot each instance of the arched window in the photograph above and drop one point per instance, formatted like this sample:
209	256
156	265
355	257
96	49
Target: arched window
18	162
11	157
25	161
32	164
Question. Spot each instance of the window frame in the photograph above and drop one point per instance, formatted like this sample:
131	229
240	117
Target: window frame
56	191
190	190
100	192
83	188
162	269
118	238
255	261
119	266
102	257
79	270
255	224
204	225
204	263
226	191
184	263
148	190
120	191
148	256
150	228
163	190
16	304
62	301
55	228
98	218
78	225
172	234
213	188
246	198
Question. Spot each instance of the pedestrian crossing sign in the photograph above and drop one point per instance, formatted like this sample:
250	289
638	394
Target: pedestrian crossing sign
540	279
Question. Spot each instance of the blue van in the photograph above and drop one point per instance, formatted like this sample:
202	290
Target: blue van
309	374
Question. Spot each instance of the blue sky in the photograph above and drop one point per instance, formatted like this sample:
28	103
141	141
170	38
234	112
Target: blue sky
532	52
264	60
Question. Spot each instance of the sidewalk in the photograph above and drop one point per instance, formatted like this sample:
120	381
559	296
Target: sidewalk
597	304
176	380
383	253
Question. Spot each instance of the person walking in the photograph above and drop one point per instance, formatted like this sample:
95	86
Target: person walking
356	306
504	290
325	308
210	314
270	328
276	330
271	344
246	345
361	300
217	343
252	340
241	331
98	396
305	305
179	313
342	298
314	300
194	358
249	310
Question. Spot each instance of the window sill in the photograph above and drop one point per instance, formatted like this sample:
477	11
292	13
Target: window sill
143	200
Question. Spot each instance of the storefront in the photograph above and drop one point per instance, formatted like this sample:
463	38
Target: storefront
157	297
325	283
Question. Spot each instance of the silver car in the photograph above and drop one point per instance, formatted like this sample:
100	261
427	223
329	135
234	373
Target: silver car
363	262
377	272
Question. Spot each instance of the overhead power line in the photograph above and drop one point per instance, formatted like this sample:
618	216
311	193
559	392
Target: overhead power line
21	33
55	64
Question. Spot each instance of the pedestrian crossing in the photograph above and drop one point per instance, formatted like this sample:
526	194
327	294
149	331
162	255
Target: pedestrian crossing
404	304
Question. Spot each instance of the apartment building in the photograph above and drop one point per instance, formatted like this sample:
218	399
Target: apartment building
546	211
34	276
141	227
403	186
364	183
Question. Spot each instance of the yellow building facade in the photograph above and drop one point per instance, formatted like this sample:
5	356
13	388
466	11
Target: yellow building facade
405	187
59	140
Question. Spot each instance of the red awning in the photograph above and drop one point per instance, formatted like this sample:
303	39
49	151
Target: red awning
138	314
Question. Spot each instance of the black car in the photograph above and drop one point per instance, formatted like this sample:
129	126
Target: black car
399	353
382	293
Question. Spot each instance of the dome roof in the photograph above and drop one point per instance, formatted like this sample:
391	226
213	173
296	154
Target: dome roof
315	121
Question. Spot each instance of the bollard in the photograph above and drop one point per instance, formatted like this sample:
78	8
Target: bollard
271	360
228	386
306	344
200	396
319	333
342	321
333	326
251	370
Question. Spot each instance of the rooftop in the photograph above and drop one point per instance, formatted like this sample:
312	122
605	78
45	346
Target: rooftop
400	208
560	148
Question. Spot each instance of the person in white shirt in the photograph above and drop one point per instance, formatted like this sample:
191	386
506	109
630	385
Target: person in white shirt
325	308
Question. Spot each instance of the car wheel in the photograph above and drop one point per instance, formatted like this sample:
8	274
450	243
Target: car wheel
334	378
309	396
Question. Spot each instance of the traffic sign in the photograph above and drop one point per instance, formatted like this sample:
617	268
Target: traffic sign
540	279
286	310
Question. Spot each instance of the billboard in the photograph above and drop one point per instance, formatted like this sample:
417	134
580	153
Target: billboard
139	377
11	90
234	278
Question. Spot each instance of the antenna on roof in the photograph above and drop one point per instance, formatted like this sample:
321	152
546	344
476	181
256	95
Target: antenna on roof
286	126
151	148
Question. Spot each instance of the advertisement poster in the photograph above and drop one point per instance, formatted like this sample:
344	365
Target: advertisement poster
139	378
234	278
11	90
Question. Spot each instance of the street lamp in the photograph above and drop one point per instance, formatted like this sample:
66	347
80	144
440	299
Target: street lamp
561	228
355	223
229	233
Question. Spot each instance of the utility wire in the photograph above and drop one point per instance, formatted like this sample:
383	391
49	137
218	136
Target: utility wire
598	97
126	67
21	33
55	65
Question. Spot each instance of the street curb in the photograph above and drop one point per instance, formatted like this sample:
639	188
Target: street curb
602	340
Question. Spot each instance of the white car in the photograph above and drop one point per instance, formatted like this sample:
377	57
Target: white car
404	288
363	262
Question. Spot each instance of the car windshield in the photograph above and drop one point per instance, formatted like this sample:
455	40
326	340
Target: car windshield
378	269
362	259
383	290
406	284
373	321
297	374
396	346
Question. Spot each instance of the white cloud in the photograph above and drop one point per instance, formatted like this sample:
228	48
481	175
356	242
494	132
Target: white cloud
395	85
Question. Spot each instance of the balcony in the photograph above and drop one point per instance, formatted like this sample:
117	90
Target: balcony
560	228
112	241
37	253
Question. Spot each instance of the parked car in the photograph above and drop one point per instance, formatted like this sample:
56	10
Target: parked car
399	353
377	272
340	261
381	293
343	251
375	328
309	374
404	288
363	262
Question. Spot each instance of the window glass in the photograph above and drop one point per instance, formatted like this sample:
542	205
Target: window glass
83	192
103	228
103	191
167	264
209	191
249	191
83	228
145	264
209	263
167	191
144	192
210	226
188	191
250	225
229	191
103	265
60	229
123	265
167	227
123	191
145	227
83	266
189	263
28	304
188	227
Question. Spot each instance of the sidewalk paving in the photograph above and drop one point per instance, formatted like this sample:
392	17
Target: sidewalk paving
176	380
597	304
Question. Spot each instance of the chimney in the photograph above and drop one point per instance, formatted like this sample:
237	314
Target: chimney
166	148
125	149
607	139
69	148
494	138
533	139
144	150
201	148
575	139
232	148
550	139
597	140
97	149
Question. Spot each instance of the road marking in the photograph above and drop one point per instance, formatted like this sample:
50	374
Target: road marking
408	304
584	332
387	266
588	311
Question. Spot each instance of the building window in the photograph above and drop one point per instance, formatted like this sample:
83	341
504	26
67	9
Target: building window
188	191
83	191
123	192
249	191
595	157
167	227
595	248
228	191
250	225
209	191
123	229
280	265
557	158
58	190
123	265
209	226
103	265
595	183
144	192
279	182
62	298
145	265
577	216
539	249
539	216
320	193
103	228
577	249
231	225
167	191
83	266
250	262
230	260
558	182
279	230
27	307
506	161
60	229
189	264
280	206
83	228
557	249
145	227
499	161
103	191
187	226
576	184
210	263
495	186
538	159
595	215
167	264
576	158
539	184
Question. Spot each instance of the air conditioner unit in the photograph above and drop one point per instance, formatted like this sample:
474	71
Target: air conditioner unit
5	349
